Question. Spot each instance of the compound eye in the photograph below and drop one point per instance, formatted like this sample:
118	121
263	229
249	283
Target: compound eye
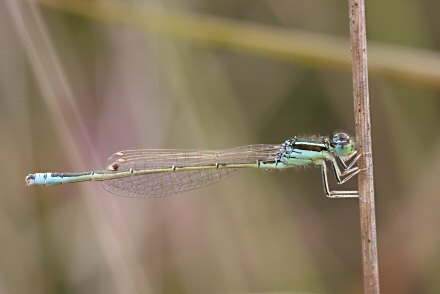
340	139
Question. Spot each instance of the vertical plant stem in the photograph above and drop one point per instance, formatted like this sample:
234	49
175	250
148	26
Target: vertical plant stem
358	38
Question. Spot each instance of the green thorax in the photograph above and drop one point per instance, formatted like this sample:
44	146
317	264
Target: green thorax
304	152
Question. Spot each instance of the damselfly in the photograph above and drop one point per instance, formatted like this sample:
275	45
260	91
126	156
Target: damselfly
152	173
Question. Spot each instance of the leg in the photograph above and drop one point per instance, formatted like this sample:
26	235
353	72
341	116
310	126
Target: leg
347	173
335	194
344	162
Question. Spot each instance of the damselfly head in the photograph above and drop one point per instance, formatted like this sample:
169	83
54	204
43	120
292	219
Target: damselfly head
342	144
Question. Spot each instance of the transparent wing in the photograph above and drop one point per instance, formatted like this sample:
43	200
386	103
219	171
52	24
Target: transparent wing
169	183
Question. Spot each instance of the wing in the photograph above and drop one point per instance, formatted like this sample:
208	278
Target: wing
174	182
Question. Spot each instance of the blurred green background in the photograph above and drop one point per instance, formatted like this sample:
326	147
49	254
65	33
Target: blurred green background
82	80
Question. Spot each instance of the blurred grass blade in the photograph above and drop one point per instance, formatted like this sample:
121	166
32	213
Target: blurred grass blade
421	68
70	126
